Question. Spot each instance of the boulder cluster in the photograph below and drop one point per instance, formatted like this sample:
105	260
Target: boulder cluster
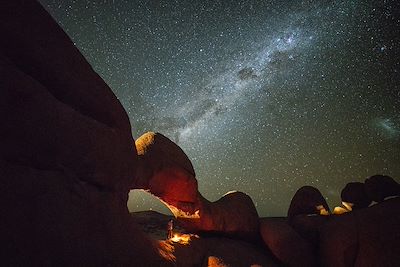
365	232
310	235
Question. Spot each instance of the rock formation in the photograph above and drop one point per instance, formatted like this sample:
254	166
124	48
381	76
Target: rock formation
286	244
166	172
222	252
307	212
67	162
379	187
308	200
355	194
364	237
66	157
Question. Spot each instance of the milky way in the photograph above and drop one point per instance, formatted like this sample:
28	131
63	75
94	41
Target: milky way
263	96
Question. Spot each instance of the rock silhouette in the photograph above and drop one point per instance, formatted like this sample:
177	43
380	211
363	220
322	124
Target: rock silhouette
66	157
366	236
307	200
379	187
355	193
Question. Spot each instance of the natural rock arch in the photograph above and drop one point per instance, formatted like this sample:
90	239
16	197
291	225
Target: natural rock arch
167	173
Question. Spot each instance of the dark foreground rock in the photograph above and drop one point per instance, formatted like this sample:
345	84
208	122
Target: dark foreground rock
205	249
67	156
308	200
355	194
364	237
221	252
286	244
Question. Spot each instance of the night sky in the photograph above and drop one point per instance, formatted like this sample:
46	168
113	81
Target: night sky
263	96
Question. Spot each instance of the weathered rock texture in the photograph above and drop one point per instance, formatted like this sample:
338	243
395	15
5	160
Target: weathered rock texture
66	157
166	172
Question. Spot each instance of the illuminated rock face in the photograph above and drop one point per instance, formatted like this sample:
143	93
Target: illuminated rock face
165	170
233	215
66	157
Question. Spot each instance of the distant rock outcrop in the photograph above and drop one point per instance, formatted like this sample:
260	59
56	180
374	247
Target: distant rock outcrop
66	157
354	193
379	187
308	200
367	236
165	170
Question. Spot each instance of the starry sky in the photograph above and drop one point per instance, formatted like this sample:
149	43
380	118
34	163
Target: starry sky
263	96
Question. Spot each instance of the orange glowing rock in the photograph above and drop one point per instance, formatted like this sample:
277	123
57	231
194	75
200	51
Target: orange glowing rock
183	239
347	207
322	210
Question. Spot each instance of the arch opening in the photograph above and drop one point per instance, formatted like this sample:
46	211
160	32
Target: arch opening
142	200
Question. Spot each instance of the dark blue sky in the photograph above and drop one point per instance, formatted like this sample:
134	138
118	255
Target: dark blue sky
263	96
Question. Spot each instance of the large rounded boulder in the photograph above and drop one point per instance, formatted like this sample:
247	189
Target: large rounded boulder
66	157
308	200
354	194
307	213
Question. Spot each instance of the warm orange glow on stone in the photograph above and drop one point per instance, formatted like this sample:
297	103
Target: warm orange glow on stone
183	239
322	210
